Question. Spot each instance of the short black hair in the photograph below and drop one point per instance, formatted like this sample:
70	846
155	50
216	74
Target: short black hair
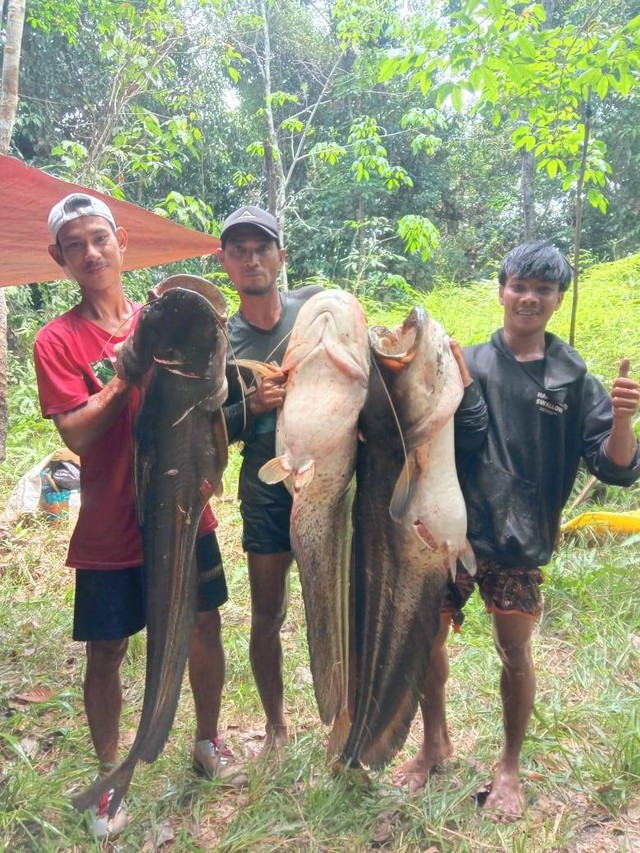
538	259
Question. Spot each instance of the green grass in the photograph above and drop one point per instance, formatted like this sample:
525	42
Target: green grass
581	758
581	765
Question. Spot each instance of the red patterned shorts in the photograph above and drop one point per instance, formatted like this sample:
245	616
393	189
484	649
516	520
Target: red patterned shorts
504	589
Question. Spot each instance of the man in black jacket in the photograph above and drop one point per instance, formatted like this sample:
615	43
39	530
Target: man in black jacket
544	413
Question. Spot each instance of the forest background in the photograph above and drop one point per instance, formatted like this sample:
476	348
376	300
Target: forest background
401	144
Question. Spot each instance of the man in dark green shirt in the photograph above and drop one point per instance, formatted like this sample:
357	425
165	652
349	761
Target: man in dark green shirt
252	256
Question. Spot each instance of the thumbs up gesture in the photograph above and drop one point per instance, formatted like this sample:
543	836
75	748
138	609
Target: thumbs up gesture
625	394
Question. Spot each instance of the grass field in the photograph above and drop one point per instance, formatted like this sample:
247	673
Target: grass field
581	759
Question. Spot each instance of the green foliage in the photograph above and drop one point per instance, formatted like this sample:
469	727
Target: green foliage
372	111
507	60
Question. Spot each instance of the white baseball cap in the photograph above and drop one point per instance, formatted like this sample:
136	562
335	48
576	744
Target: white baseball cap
72	207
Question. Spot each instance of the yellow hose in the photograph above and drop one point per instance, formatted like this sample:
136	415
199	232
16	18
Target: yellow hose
616	522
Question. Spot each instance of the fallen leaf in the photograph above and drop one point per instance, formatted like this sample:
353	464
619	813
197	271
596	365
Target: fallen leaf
160	837
38	694
633	811
30	746
303	674
383	831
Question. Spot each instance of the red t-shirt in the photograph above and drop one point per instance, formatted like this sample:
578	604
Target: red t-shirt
74	359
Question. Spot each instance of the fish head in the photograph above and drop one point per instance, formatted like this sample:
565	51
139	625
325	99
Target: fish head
332	322
417	368
179	330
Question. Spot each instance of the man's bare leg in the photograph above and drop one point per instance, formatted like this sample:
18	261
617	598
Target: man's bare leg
103	697
206	673
436	746
512	637
269	580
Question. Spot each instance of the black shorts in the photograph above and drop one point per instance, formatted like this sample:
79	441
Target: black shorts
109	604
265	509
265	526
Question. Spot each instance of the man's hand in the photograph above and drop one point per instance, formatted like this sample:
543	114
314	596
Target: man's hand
269	395
458	354
625	399
625	394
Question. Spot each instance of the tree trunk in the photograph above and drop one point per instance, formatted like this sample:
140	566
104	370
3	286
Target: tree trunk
577	230
8	107
272	179
528	161
527	186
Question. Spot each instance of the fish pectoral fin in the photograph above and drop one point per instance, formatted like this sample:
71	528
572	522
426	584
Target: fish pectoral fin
453	567
261	368
403	492
275	470
468	558
304	475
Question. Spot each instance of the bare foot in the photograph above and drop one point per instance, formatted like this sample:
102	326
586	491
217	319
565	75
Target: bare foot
505	803
276	738
415	773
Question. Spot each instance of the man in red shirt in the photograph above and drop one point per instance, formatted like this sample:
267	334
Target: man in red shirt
94	411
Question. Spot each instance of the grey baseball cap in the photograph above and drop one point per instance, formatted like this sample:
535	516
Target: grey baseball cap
72	207
250	215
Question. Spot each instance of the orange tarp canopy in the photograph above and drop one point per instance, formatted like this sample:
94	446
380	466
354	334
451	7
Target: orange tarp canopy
26	197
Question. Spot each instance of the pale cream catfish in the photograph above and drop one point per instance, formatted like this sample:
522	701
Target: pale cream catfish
327	367
409	529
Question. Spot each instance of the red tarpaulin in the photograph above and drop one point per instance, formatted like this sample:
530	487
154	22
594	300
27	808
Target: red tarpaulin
26	197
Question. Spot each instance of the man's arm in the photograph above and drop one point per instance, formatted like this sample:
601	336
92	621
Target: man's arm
239	415
81	427
622	444
472	416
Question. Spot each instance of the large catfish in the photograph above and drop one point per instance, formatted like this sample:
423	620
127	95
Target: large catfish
327	367
178	353
410	527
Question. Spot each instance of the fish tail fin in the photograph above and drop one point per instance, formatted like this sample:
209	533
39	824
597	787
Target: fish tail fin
118	781
275	470
353	773
304	475
468	559
339	733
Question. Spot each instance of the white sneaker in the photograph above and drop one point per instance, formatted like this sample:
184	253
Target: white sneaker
214	759
101	824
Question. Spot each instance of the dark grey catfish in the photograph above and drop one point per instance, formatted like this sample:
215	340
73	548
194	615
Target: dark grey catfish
409	528
178	352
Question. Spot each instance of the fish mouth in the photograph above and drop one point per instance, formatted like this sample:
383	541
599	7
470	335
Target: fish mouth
176	366
195	283
397	347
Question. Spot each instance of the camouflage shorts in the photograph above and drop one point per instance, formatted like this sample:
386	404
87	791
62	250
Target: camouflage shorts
504	589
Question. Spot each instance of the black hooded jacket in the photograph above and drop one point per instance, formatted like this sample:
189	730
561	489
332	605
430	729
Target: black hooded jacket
543	417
